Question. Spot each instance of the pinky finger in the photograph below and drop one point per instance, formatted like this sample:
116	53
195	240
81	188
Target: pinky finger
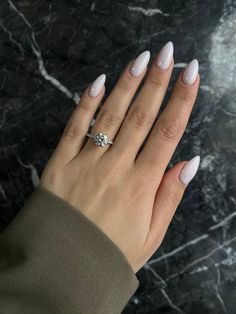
168	197
77	127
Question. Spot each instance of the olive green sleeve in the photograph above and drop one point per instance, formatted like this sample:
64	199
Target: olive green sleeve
53	259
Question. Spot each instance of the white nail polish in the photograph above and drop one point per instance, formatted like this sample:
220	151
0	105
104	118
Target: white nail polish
165	56
189	170
191	72
97	85
140	63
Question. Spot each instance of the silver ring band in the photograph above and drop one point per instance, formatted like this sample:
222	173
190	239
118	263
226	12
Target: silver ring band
100	139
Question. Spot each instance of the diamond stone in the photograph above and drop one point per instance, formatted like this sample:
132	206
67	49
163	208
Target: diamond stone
100	139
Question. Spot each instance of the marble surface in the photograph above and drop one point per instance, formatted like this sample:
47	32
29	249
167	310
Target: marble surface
51	50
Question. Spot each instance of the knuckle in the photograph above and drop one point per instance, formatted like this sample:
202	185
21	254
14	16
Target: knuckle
173	196
140	117
73	131
156	80
109	118
124	83
169	129
183	95
84	106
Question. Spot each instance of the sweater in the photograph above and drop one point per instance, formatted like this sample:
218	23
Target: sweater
55	260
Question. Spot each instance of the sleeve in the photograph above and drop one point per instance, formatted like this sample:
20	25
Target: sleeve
53	259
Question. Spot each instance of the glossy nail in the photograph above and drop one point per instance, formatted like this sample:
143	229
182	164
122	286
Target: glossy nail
189	170
97	85
165	56
191	72
140	63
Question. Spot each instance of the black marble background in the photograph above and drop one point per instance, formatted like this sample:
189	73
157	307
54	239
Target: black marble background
51	50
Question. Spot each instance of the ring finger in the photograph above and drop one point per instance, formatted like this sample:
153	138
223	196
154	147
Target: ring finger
114	109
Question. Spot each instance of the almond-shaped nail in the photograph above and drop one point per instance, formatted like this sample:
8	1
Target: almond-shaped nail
165	56
191	72
140	63
189	170
97	85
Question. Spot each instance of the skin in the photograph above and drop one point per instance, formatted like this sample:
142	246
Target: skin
129	196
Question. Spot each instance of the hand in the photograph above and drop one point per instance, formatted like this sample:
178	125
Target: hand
127	193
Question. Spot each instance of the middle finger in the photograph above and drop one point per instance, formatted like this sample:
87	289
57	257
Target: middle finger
144	110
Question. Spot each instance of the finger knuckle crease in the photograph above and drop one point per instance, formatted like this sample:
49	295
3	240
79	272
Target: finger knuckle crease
156	80
170	129
84	106
124	84
183	96
173	196
73	131
140	117
109	118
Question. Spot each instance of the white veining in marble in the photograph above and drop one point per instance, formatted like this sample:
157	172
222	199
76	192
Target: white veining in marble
222	56
198	261
41	66
147	12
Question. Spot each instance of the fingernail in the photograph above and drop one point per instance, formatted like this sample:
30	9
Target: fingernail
191	72
140	63
165	56
97	85
189	170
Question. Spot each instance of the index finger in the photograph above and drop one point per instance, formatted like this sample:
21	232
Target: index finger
171	124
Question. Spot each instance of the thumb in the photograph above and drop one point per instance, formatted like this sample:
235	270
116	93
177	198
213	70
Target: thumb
168	197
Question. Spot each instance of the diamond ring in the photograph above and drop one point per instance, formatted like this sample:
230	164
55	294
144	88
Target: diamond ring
100	139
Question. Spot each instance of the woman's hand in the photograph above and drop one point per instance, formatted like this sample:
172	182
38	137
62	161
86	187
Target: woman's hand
127	193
